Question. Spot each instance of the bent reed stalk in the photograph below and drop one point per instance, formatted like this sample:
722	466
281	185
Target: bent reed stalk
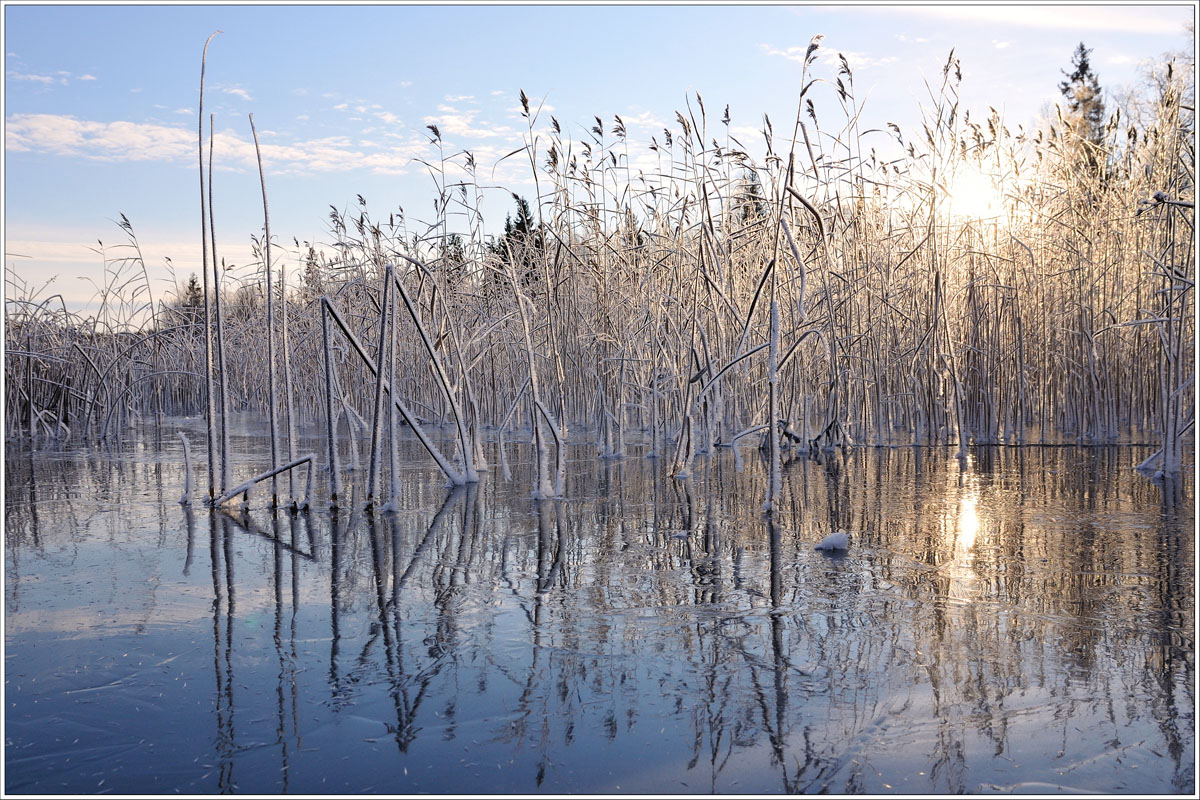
820	297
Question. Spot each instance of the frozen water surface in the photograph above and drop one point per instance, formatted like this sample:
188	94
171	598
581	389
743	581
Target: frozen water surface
1021	621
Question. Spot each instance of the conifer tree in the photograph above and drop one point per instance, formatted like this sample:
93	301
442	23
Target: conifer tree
523	242
1084	101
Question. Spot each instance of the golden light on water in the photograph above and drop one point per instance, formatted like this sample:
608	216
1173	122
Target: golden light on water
968	524
963	527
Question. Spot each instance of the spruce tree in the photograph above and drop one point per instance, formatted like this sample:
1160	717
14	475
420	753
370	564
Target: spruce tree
523	242
191	302
1084	101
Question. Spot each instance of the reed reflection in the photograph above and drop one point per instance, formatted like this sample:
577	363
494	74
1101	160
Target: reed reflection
337	689
223	611
388	624
412	673
655	626
287	691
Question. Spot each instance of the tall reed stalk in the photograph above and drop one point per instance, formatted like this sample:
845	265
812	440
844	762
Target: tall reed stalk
210	407
270	300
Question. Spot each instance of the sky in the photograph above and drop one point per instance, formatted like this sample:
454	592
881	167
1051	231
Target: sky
100	102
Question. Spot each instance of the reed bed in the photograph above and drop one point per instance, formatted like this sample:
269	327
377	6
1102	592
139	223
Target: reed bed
820	297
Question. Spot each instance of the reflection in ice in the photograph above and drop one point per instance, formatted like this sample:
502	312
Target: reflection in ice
1015	620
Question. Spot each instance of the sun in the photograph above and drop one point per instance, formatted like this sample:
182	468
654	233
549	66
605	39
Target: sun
974	195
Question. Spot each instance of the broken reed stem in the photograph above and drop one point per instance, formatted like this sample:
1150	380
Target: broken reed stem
244	488
468	451
186	499
452	474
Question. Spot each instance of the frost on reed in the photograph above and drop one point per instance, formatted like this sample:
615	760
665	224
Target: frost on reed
819	297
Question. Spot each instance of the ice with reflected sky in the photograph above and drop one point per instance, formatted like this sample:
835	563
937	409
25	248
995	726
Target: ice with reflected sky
1021	620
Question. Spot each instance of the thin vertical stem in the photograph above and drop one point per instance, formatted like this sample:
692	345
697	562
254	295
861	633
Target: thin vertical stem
270	321
223	384
209	414
380	354
393	421
288	398
335	484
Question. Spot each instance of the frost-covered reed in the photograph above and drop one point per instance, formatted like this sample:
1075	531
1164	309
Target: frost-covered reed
819	297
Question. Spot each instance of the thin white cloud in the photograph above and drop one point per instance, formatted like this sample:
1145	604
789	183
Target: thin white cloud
790	53
187	111
1121	19
19	76
87	77
128	141
105	141
999	45
642	119
341	106
236	91
536	107
462	123
68	258
71	252
746	133
858	61
492	166
137	90
829	56
459	98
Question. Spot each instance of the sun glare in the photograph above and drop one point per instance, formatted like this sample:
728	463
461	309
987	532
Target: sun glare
968	524
974	195
961	565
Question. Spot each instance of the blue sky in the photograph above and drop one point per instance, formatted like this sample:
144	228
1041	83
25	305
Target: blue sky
100	101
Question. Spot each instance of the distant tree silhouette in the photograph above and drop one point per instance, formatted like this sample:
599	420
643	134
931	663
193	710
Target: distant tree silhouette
190	303
312	275
750	201
522	244
1084	101
451	264
193	295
